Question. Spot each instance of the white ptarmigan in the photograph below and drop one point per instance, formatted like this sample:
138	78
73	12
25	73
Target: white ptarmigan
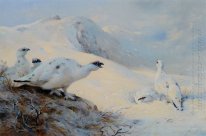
59	73
145	95
21	67
36	62
167	86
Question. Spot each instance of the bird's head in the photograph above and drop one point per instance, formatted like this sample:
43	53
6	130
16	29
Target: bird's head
159	64
36	60
96	65
22	51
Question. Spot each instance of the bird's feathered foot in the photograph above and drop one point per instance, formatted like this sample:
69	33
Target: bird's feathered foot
61	93
69	96
56	92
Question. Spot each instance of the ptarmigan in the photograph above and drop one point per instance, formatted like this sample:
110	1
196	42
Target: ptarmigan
167	87
145	95
21	67
36	62
59	73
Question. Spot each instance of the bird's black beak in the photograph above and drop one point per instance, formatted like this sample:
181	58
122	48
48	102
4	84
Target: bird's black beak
157	61
98	64
25	49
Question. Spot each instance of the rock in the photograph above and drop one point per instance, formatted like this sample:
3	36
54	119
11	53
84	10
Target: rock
32	111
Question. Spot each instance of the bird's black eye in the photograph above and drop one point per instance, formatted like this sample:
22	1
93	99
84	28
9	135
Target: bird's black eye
157	62
23	49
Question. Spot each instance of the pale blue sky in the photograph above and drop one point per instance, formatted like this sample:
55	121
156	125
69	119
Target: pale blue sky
14	12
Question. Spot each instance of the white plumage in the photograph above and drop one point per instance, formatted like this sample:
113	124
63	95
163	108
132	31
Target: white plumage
145	95
21	67
59	73
168	87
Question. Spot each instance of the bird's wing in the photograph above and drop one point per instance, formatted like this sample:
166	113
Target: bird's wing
37	77
46	72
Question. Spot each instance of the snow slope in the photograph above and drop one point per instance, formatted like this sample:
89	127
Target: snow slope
112	87
78	33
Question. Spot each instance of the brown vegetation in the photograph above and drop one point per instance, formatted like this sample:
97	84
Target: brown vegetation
29	111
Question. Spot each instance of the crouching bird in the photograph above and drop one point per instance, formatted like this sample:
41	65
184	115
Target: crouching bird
58	73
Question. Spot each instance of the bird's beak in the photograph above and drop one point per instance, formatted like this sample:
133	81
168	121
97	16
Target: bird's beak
157	61
100	65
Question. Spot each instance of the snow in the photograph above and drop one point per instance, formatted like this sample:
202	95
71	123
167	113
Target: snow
111	88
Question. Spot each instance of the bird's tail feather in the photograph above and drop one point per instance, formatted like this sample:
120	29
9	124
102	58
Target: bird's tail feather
22	81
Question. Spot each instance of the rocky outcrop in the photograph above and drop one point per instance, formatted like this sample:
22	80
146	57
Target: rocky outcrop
29	111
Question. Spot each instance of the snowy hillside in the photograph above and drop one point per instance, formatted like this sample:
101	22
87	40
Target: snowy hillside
83	34
111	88
78	33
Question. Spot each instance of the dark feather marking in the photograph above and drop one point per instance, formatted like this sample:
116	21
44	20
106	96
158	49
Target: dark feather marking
142	98
57	67
175	105
21	81
167	85
177	84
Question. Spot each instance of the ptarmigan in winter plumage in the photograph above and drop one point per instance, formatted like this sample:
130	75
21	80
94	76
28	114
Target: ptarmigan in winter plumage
59	73
168	87
145	95
36	62
21	67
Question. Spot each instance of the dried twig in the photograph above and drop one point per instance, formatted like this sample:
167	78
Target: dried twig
38	111
115	132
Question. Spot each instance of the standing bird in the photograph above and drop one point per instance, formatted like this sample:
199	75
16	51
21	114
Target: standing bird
21	67
167	87
36	62
59	73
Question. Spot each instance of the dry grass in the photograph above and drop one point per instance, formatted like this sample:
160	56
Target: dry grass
30	111
7	83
